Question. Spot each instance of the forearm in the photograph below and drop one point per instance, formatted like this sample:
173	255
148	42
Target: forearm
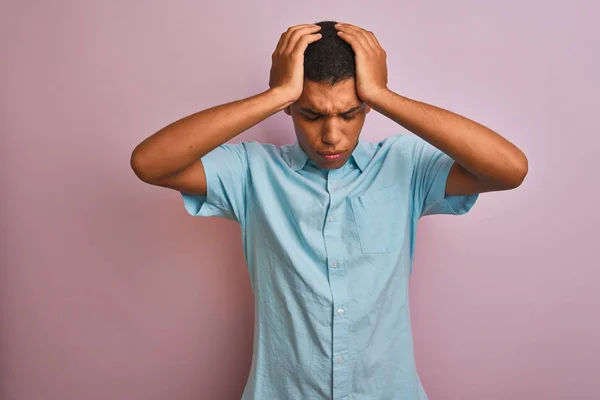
180	144
475	147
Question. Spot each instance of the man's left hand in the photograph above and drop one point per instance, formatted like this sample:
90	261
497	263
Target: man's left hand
371	67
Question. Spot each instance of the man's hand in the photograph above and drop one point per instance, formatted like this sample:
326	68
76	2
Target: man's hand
371	67
287	69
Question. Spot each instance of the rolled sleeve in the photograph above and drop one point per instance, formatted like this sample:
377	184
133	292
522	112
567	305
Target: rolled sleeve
430	175
226	170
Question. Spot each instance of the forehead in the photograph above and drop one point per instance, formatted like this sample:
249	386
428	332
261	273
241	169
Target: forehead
322	97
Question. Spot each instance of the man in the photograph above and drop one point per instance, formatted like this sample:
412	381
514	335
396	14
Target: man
328	223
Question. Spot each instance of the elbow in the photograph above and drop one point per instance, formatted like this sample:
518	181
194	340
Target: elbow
138	165
523	169
519	172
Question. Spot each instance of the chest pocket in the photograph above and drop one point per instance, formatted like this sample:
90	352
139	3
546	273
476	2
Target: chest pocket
380	218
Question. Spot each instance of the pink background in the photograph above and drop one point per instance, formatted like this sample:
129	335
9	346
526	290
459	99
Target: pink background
109	290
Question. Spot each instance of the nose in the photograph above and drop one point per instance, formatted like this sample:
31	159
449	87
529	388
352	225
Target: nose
332	133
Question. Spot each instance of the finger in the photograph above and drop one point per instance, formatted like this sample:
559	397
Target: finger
372	35
296	36
279	44
304	41
360	33
352	40
287	35
284	36
363	35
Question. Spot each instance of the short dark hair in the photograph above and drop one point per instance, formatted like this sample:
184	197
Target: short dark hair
329	59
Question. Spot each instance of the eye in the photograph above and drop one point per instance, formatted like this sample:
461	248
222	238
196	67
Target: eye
346	118
311	119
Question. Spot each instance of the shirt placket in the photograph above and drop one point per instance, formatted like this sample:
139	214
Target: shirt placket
338	285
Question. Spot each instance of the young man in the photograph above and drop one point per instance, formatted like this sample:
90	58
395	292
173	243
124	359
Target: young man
329	222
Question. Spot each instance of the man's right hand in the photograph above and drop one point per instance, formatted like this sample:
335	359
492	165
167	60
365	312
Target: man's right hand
287	69
172	156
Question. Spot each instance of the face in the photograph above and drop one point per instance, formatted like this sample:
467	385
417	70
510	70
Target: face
328	120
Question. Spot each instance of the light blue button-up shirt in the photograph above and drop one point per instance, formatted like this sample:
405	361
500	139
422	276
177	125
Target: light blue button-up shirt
329	255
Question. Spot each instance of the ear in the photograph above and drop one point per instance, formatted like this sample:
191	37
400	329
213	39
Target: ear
287	110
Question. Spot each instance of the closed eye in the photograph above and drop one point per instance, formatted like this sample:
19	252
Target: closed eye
345	117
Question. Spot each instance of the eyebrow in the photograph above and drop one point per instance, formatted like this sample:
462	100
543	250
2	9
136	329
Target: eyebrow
313	112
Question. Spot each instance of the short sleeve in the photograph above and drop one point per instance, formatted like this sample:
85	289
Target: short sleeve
226	170
431	168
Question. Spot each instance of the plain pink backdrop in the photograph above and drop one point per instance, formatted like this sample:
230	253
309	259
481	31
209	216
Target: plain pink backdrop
109	290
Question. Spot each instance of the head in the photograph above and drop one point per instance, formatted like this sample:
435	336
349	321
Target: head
329	116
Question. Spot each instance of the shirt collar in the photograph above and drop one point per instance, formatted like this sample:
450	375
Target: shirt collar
299	157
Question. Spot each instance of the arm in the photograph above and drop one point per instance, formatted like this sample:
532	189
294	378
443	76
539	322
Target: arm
171	156
485	161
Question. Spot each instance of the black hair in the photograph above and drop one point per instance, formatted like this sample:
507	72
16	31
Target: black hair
329	59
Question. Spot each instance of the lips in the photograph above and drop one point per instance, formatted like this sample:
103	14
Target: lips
332	156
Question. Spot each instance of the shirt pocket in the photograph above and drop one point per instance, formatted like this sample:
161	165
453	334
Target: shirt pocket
380	219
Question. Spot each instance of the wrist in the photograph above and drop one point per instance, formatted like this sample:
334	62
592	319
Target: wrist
373	97
281	96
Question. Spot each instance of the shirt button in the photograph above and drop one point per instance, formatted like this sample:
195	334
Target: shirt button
340	360
335	264
340	311
331	219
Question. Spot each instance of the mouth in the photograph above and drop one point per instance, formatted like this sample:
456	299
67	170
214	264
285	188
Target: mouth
332	156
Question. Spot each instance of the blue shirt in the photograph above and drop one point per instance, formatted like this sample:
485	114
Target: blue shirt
329	254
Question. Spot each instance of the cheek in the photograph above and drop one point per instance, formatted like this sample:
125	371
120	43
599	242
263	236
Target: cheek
306	134
356	125
301	124
310	130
